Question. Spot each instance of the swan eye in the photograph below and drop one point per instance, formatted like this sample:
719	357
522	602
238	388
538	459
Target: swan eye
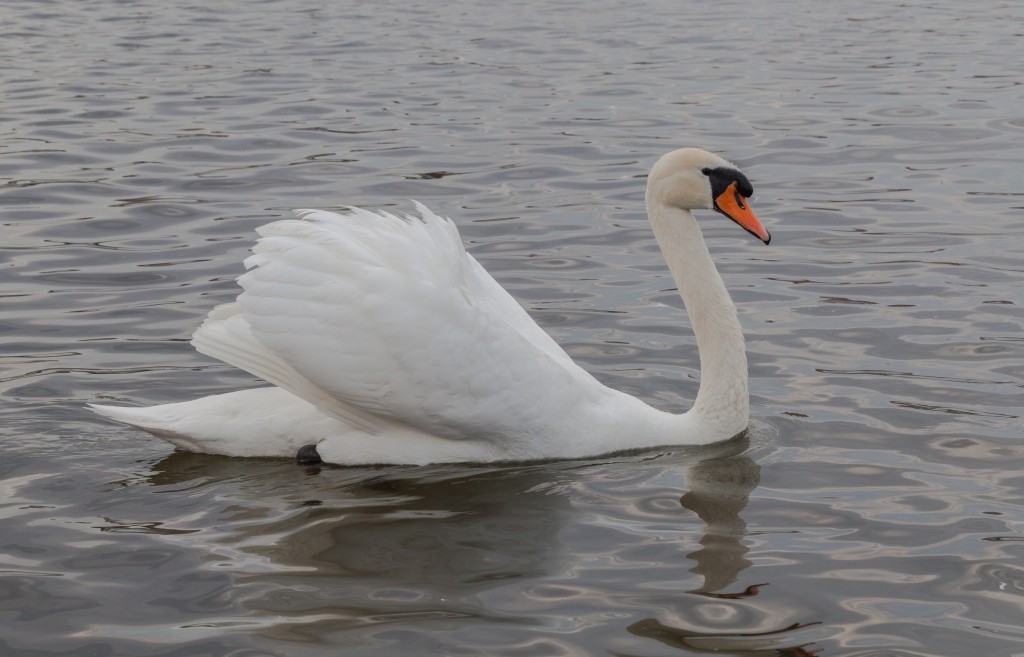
706	171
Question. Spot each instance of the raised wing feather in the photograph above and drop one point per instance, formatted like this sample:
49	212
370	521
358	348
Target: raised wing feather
227	336
381	316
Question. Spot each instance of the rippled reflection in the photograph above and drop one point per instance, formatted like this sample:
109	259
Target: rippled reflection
446	553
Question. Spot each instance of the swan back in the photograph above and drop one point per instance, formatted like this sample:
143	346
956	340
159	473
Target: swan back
378	319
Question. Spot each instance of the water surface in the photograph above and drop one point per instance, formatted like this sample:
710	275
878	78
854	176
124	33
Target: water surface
876	506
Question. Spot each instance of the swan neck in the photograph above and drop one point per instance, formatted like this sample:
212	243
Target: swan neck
722	402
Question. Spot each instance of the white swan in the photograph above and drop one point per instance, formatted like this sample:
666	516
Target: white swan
387	343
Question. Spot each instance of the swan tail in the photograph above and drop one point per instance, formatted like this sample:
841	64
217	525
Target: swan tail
151	419
253	422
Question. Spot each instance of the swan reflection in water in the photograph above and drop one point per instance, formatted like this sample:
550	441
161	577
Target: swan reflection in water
718	492
581	547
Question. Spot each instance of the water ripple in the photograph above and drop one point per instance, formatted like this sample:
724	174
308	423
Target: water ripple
875	507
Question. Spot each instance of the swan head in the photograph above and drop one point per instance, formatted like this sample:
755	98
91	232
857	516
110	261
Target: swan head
694	179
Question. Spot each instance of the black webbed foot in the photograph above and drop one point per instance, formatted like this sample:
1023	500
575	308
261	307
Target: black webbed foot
308	455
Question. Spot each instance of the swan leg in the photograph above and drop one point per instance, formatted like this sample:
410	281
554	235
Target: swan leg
308	455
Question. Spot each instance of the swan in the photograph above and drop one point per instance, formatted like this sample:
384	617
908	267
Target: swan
387	343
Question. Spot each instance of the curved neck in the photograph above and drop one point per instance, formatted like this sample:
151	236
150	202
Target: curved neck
722	402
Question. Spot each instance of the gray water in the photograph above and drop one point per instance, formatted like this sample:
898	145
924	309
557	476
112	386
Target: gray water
876	507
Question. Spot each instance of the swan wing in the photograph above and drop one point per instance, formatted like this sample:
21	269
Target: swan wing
226	336
377	318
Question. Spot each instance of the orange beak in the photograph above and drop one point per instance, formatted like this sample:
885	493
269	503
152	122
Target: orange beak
733	205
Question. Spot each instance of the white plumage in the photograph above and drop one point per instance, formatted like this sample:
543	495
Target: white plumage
387	343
